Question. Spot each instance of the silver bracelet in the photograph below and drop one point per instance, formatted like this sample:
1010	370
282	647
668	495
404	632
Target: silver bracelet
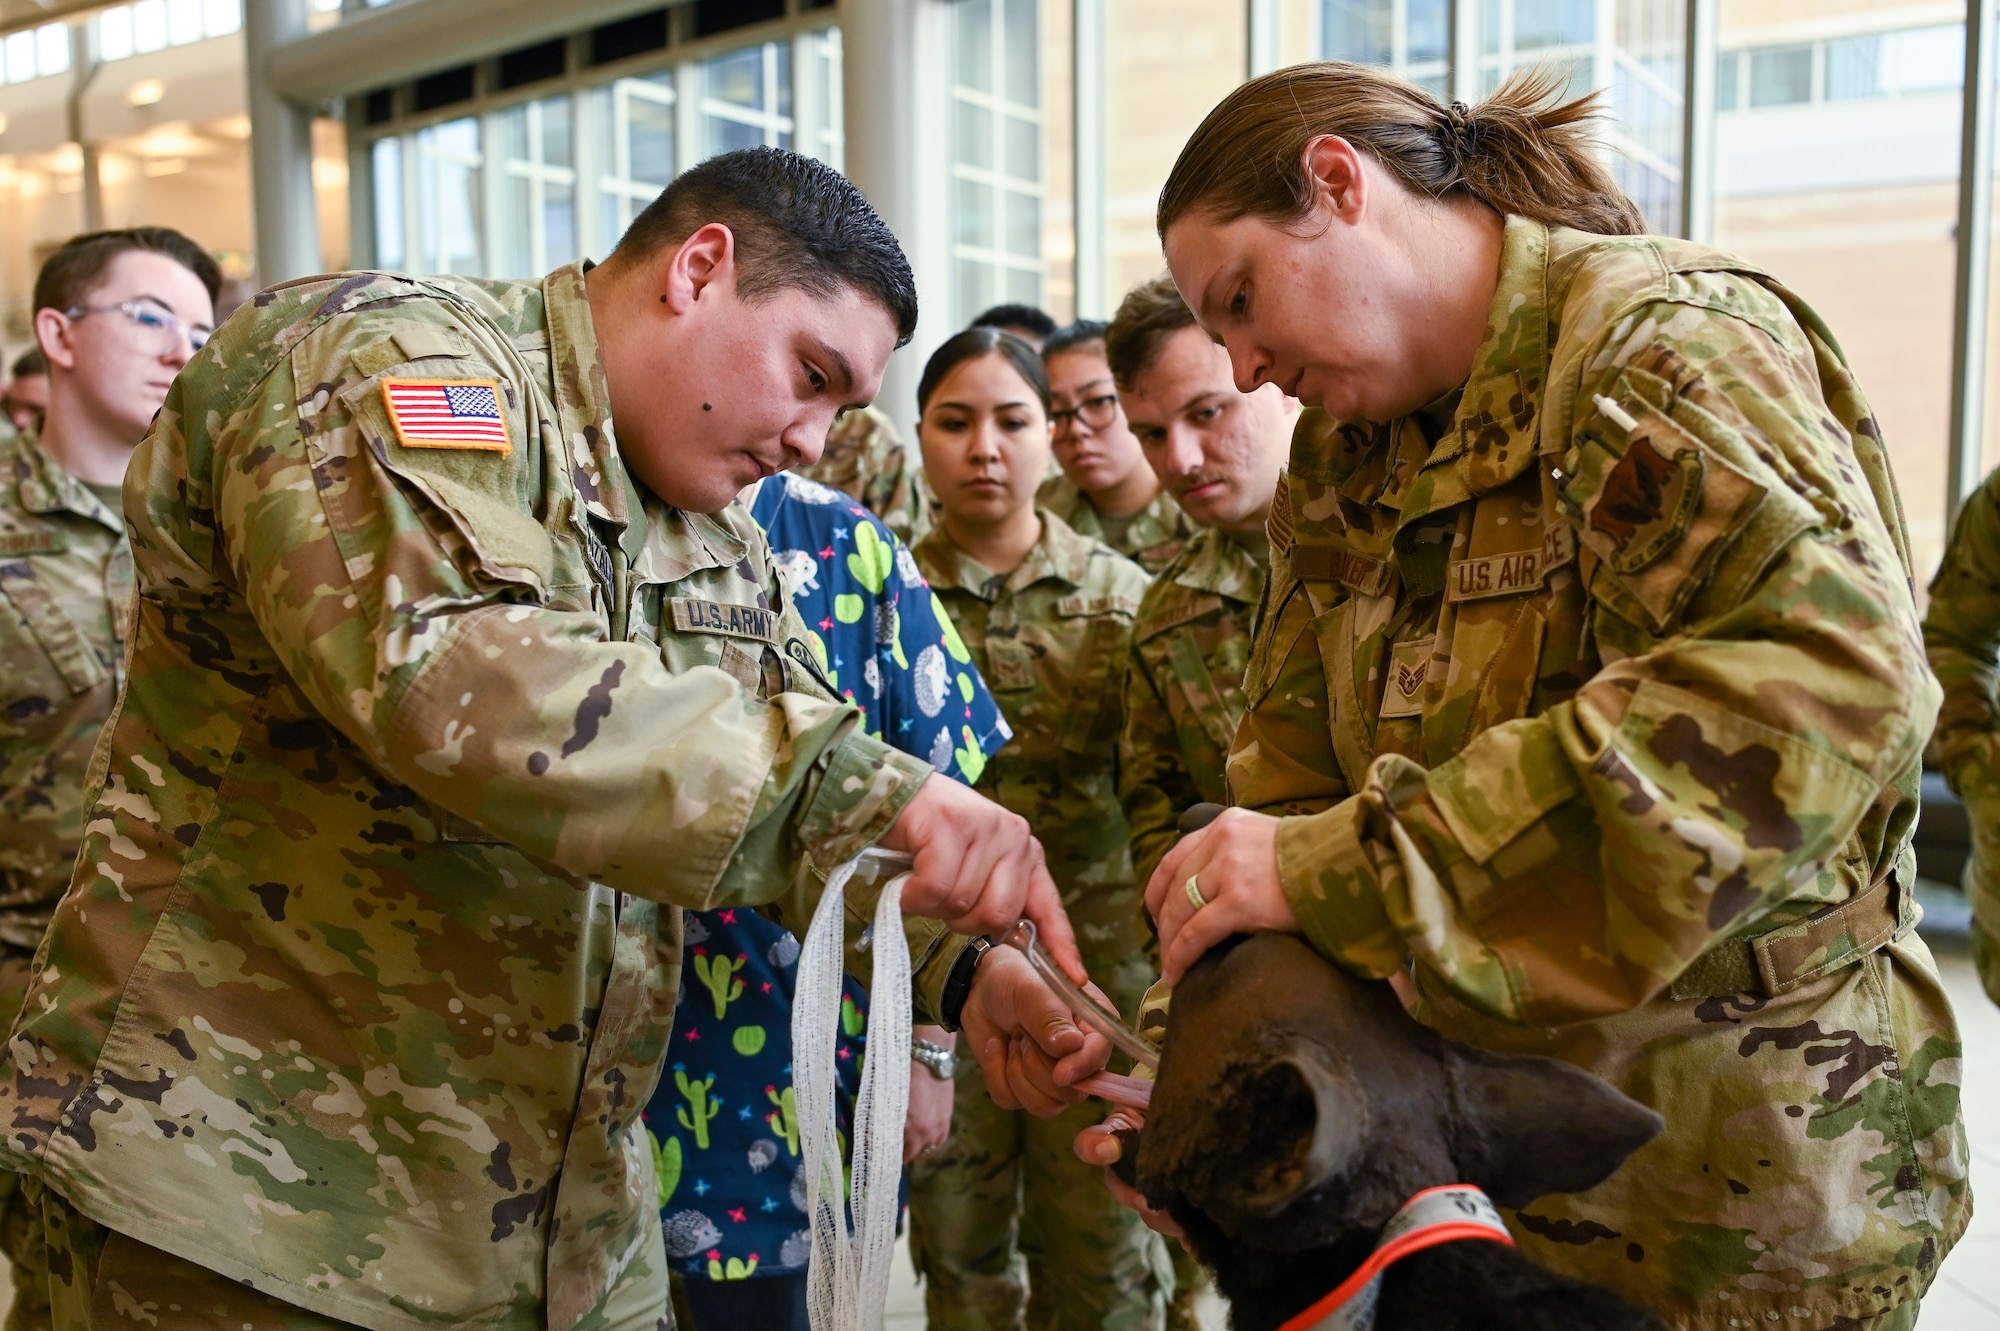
939	1061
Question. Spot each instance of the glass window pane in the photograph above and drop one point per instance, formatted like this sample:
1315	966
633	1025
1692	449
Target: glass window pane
1489	28
1023	43
1544	23
978	288
1728	73
975	135
1429	30
782	53
977	224
221	17
1918	59
52	48
726	136
559	233
183	21
514	256
1360	31
1781	75
558	144
1854	68
20	52
973	24
388	158
114	33
1024	225
737	78
510	133
1024	149
1024	285
149	25
449	202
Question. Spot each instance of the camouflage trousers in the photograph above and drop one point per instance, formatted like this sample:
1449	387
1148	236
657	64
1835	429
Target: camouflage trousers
1005	1221
1982	877
20	1224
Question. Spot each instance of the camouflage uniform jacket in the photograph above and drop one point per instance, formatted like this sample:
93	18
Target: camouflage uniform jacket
1962	637
365	973
1184	691
1050	639
1575	692
865	458
65	592
1152	537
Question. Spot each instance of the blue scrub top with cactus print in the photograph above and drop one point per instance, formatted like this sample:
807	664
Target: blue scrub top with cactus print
724	1131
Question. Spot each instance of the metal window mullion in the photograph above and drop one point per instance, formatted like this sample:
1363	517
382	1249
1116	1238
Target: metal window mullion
688	91
1698	98
1975	244
1089	157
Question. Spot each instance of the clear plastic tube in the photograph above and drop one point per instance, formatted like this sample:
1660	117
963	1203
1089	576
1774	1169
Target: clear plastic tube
1123	1038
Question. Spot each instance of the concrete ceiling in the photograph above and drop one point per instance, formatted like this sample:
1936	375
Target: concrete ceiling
33	13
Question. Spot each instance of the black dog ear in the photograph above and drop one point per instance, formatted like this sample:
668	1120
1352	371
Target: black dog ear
1327	1125
1524	1127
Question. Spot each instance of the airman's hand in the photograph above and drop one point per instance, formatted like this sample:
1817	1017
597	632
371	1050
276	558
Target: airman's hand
1234	863
1027	1041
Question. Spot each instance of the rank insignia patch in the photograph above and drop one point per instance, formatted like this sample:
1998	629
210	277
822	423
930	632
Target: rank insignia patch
447	413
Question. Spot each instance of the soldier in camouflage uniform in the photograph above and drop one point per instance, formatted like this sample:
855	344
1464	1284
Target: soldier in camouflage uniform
444	693
865	458
122	311
1218	454
1046	616
26	400
1588	683
1105	490
1962	637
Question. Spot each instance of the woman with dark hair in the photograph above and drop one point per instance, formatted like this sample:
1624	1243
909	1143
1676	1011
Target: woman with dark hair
1588	683
1046	616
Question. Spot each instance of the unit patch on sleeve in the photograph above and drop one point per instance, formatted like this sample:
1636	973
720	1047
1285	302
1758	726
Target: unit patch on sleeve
447	413
694	615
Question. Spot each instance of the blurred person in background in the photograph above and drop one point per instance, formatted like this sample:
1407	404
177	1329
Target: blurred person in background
27	395
117	313
723	1123
1105	490
865	457
1028	322
1045	613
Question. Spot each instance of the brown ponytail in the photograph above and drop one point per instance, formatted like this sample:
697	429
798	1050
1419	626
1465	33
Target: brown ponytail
1520	151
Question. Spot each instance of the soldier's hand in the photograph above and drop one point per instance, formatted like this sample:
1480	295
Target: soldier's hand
979	869
1100	1146
1234	862
1027	1041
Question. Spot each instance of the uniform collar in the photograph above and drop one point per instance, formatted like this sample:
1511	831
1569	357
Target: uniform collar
45	487
1492	437
1062	554
1217	563
583	398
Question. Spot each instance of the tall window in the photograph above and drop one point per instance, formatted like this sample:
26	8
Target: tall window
534	158
996	137
1410	38
632	127
515	188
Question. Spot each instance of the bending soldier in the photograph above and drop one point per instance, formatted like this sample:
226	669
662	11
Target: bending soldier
446	692
1587	682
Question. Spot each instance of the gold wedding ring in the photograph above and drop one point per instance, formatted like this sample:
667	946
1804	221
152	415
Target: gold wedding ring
1194	891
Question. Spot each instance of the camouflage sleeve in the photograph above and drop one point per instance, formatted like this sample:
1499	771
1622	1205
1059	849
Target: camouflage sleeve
1962	636
1153	780
1762	688
404	592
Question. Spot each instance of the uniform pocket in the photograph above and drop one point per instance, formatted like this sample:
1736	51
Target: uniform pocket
1097	685
68	650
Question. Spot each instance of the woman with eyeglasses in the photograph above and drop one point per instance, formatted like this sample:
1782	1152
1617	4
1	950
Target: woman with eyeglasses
1106	490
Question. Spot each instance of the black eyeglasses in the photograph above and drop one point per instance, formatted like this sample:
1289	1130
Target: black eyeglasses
1096	412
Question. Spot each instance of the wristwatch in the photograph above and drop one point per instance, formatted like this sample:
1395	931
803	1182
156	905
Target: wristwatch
941	1062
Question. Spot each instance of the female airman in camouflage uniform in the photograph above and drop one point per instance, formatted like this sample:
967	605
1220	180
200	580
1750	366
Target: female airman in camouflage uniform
1588	682
1046	615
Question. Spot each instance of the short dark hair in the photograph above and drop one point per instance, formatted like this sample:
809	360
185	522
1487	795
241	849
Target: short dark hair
70	274
1073	337
974	343
1029	317
1151	313
798	223
31	361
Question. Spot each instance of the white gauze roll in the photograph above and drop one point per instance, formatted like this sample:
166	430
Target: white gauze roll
853	1245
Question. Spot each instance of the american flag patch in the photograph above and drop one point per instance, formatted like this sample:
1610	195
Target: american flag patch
447	413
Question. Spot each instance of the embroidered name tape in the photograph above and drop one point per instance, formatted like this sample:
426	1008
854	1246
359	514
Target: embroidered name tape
447	413
16	543
694	615
1361	573
1511	573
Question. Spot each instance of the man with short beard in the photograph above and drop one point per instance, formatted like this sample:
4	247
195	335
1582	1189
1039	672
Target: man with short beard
1219	454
